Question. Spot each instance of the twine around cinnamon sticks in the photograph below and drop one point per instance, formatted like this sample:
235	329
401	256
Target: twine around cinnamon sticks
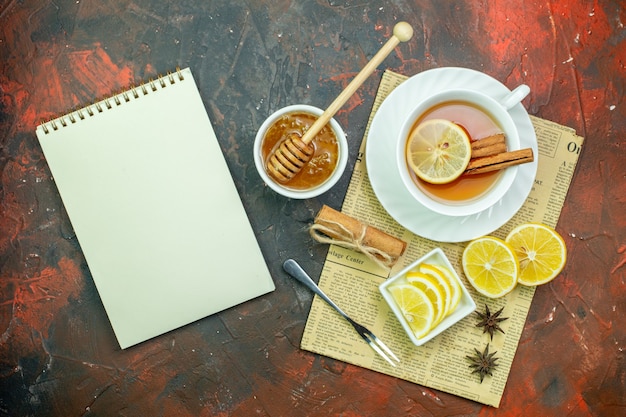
334	227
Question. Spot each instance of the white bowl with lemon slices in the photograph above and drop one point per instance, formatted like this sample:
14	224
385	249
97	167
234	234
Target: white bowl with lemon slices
427	297
434	150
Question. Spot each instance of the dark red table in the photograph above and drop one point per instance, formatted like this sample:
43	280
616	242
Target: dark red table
58	354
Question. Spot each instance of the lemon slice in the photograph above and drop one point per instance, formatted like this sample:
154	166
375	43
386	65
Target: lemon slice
415	306
434	274
541	252
433	290
491	266
438	151
454	285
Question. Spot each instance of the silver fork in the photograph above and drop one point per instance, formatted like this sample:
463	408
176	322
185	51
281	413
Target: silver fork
298	273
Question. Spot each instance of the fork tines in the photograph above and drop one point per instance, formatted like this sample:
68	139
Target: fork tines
375	343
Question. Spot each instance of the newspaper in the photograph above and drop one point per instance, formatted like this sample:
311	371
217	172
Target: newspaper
352	281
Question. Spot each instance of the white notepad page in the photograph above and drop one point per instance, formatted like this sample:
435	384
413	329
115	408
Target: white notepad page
154	208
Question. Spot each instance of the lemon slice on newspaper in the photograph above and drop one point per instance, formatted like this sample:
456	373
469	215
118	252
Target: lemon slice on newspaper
541	252
491	266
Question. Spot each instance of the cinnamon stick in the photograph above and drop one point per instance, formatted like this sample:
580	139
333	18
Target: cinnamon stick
349	232
499	161
489	145
488	141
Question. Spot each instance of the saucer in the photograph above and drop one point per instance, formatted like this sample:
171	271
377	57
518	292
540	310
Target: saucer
385	178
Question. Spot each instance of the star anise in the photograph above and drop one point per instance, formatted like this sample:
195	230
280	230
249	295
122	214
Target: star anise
483	363
489	322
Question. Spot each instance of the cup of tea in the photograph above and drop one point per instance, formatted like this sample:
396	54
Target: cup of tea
324	168
480	116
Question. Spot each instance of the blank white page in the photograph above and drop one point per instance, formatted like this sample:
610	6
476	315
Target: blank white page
154	208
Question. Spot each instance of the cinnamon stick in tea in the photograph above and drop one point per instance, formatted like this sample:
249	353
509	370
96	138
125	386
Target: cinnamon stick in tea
332	226
499	161
489	145
488	141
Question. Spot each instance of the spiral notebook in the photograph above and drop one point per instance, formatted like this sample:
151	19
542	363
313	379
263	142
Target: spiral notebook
154	208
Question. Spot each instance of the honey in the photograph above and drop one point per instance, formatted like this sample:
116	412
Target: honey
324	160
478	124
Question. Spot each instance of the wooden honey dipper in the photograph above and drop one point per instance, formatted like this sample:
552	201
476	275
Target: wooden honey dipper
294	152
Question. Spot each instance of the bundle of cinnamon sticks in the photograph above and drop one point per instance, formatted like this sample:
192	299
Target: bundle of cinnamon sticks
335	227
491	154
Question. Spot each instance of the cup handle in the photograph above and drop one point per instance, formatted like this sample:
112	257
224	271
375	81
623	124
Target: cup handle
515	96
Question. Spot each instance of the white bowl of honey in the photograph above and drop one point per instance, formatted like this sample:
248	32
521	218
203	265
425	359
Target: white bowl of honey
325	167
481	117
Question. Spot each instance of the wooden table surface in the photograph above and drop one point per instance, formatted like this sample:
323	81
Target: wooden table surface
58	354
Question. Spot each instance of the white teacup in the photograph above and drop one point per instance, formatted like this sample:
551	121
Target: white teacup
497	112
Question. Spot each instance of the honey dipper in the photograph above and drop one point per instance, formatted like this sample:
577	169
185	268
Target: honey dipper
294	152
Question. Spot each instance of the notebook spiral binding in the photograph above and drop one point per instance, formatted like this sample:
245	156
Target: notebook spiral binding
133	92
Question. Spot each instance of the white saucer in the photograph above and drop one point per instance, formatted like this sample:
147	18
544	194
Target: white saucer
385	177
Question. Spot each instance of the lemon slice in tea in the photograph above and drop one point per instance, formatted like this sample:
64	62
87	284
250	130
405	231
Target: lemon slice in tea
541	252
438	151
